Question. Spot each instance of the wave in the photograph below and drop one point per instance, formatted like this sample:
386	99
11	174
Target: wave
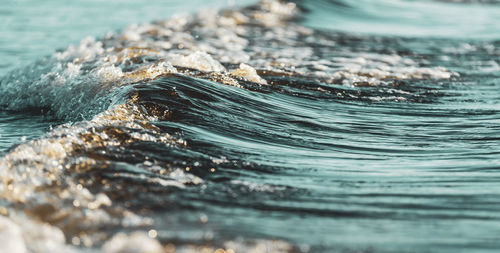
81	81
169	123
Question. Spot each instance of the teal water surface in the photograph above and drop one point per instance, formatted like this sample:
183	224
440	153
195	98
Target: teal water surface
378	129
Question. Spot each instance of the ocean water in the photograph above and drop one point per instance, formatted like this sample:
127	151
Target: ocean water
307	126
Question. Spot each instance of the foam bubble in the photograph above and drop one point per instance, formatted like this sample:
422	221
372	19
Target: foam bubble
197	60
248	73
134	243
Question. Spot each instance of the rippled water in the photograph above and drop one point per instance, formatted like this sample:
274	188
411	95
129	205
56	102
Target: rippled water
320	126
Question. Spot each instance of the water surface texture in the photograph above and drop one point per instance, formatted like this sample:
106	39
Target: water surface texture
266	128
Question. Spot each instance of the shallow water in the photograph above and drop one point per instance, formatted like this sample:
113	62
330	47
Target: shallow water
337	137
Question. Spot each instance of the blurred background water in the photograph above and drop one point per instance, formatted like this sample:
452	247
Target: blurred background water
32	29
421	18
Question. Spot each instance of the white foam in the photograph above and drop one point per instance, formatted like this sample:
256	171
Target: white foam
137	242
108	73
197	60
20	234
88	49
248	73
11	239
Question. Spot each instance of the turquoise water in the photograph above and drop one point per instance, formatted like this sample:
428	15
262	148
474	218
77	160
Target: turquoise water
424	18
352	126
33	29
